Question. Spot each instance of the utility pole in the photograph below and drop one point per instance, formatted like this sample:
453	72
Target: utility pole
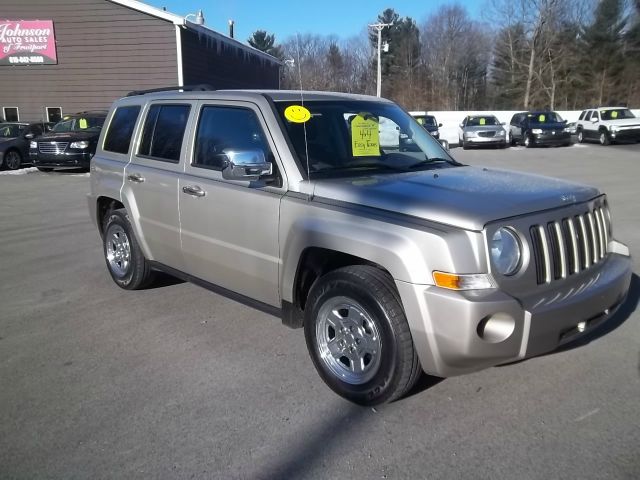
379	27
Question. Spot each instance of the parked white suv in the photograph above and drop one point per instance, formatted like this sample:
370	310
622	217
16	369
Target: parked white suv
607	125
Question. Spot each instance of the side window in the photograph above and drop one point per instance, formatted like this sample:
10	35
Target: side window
594	115
226	128
164	131
581	117
514	120
587	117
118	137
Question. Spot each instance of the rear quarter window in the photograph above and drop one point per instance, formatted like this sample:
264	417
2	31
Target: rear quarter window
118	138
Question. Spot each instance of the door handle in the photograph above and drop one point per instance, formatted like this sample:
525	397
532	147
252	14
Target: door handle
194	190
136	178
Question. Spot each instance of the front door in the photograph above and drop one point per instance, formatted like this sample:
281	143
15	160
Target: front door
229	229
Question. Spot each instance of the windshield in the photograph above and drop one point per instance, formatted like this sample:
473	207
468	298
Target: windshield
545	117
616	114
426	120
76	124
11	130
349	136
482	121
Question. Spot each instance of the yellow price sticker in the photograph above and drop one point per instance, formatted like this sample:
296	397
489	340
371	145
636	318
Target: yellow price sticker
614	114
83	123
541	118
297	114
483	121
365	137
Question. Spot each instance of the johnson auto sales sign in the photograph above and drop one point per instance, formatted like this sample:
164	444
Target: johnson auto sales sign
27	42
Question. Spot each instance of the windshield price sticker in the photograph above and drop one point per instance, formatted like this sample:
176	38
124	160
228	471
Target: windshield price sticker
83	123
541	118
365	137
483	121
614	114
297	114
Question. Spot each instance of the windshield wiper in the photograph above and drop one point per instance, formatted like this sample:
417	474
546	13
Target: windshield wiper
432	160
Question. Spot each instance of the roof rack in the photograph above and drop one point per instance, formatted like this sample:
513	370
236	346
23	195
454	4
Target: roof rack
186	88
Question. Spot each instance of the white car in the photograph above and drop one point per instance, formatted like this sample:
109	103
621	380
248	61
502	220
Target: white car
607	125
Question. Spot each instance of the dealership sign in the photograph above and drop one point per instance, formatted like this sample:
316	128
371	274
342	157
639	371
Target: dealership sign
27	42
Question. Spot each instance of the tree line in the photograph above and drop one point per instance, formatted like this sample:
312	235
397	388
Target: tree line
557	54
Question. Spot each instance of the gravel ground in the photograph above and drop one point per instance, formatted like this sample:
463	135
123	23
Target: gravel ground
178	382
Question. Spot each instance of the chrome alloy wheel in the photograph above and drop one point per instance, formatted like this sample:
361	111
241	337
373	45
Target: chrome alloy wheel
348	340
118	250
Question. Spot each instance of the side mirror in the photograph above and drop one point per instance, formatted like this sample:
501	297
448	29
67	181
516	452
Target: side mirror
594	120
29	136
246	165
564	121
461	125
439	125
503	123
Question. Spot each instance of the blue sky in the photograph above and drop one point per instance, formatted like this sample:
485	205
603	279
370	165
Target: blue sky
344	18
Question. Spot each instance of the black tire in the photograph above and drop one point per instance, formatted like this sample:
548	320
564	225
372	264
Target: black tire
44	169
580	136
527	142
12	159
396	368
134	273
604	139
465	145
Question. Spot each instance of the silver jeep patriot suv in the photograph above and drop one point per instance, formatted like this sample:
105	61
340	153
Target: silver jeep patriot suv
395	258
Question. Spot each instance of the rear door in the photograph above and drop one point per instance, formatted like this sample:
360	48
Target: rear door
229	229
151	180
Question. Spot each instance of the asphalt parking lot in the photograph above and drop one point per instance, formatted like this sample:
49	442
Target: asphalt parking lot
178	382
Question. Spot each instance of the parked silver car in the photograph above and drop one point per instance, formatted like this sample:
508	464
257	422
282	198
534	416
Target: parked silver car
394	261
479	130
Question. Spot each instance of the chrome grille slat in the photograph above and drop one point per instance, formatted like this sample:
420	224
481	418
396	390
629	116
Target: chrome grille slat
595	242
52	147
585	242
574	245
603	232
562	250
545	253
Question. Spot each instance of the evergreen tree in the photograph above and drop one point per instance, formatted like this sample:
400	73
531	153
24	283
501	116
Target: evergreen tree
264	42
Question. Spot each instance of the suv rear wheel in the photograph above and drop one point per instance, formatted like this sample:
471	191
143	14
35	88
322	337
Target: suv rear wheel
580	136
125	260
358	337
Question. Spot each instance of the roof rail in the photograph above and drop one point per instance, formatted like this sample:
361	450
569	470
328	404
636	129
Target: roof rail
186	88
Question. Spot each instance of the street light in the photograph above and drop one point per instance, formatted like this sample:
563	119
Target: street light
379	27
199	17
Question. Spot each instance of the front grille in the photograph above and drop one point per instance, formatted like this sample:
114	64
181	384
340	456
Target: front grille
52	147
487	134
570	245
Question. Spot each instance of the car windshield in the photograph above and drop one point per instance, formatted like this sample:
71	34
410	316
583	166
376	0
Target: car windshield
616	114
544	117
76	124
426	120
342	137
11	130
482	121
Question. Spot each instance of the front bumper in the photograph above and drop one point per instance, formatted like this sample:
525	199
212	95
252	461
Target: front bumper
62	160
626	134
486	140
461	332
560	138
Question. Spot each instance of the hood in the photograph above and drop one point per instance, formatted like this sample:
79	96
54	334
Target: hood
7	139
549	126
624	121
430	128
466	197
68	136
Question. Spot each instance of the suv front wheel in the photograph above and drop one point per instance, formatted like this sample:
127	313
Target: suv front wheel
125	260
358	337
604	138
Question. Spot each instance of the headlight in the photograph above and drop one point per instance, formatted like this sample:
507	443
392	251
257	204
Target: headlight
470	134
567	129
33	145
501	133
536	131
506	251
81	144
614	128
